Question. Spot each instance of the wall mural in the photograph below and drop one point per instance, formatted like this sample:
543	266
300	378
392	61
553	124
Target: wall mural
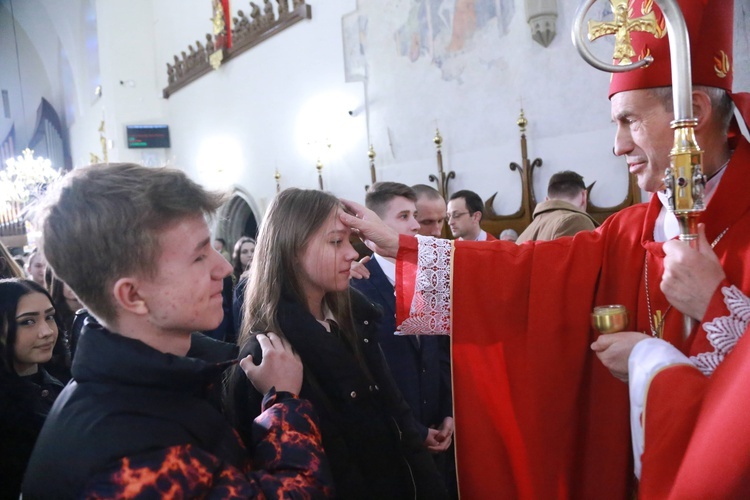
445	32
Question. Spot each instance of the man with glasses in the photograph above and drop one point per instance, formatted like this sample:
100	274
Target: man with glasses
465	211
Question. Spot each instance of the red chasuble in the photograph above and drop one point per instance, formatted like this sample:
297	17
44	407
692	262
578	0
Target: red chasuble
697	432
537	415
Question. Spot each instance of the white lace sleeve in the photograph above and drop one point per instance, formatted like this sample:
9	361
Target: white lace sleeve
430	309
724	331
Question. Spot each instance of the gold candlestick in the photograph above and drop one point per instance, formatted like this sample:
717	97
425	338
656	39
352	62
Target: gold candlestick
103	141
319	167
441	180
371	155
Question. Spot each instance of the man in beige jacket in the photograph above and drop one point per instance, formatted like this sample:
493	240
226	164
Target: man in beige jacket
564	211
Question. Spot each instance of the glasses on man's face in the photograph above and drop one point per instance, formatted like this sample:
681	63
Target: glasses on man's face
455	215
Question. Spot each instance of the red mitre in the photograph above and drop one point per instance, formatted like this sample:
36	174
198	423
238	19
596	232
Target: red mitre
710	24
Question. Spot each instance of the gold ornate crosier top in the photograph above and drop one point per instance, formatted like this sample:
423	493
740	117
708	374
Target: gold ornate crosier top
622	25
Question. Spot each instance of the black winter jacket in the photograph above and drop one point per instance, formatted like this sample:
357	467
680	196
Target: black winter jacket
137	420
369	432
24	405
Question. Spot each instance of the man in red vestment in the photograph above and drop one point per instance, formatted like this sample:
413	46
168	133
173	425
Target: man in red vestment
537	415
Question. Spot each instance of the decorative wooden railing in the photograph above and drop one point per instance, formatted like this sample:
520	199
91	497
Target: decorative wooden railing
246	33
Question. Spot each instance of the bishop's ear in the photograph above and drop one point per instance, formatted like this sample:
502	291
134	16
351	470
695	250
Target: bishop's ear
702	109
127	296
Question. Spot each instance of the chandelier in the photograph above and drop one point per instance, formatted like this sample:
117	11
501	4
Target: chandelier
26	177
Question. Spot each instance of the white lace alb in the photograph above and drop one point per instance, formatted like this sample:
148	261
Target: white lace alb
430	309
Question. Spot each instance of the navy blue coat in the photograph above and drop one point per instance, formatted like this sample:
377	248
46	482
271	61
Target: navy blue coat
421	368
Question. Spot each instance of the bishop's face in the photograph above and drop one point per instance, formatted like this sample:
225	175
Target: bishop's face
643	135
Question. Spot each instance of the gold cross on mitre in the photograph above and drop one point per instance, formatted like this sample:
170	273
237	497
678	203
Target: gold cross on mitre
622	25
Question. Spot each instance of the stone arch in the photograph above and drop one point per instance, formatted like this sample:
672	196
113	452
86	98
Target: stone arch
236	218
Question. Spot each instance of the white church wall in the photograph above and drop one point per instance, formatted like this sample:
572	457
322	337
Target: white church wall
80	74
259	111
247	114
130	71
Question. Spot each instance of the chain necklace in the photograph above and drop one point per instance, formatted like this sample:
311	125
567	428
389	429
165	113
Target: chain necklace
656	322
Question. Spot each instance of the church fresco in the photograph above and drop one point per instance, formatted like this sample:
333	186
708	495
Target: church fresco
441	30
431	63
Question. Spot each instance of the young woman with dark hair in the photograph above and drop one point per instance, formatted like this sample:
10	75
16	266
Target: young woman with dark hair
242	256
29	328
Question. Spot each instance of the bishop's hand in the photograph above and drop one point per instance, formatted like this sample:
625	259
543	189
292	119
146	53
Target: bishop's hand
691	275
374	233
614	350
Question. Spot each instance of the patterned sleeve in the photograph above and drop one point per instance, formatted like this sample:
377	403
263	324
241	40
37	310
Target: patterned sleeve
651	356
287	460
287	452
177	472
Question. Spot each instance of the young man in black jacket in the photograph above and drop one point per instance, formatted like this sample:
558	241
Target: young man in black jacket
137	419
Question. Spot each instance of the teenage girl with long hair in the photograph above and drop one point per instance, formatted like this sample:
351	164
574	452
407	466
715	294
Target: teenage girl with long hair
299	289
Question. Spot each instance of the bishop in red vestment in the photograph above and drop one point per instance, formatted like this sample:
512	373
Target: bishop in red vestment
537	415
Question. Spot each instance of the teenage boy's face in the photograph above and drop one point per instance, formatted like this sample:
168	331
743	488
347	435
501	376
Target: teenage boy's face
400	216
185	294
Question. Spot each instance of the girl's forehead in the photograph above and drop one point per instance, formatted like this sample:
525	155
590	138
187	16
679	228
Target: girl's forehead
33	300
334	221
